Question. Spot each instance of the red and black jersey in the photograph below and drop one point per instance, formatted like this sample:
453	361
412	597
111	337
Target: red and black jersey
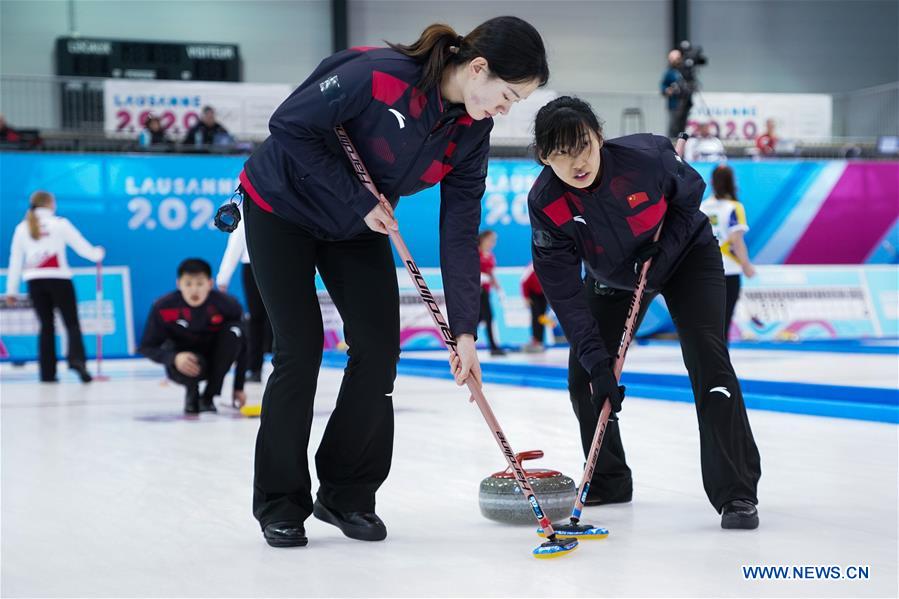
409	141
488	265
643	181
173	326
530	284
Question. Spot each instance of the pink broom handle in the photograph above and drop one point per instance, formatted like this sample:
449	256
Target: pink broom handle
626	337
99	318
448	339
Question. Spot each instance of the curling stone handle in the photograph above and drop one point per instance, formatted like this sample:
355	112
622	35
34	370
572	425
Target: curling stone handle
534	454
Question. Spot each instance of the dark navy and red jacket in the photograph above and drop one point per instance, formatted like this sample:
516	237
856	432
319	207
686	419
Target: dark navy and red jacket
173	326
409	141
642	180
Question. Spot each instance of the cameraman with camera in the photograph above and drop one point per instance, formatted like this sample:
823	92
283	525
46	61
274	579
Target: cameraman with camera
679	83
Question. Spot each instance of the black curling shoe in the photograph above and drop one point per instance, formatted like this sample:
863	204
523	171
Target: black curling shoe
362	526
285	534
192	400
83	374
739	513
618	489
206	404
606	499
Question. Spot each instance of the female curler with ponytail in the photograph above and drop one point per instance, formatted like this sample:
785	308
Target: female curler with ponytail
419	115
39	199
38	255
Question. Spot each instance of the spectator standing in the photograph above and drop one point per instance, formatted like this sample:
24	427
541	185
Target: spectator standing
704	146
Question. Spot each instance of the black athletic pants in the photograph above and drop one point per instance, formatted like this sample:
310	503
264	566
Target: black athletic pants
733	294
355	453
695	295
677	117
486	316
259	329
216	357
538	311
47	294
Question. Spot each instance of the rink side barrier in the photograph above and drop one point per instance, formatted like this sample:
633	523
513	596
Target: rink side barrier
19	325
838	401
152	211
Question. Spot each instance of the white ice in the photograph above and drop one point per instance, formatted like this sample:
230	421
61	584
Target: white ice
107	492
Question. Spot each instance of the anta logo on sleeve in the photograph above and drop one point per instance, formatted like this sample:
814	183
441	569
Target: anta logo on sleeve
400	118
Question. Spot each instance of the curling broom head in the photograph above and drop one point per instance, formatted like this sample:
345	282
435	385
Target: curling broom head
584	532
555	548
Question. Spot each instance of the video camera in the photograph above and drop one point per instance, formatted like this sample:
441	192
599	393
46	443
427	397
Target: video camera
691	58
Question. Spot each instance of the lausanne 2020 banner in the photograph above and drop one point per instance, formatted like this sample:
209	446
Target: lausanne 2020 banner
150	212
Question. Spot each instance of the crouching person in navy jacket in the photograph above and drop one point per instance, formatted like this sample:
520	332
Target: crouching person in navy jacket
195	332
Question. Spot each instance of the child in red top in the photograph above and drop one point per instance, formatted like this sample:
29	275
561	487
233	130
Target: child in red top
486	243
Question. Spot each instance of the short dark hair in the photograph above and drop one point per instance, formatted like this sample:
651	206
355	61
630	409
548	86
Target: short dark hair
194	266
563	124
207	108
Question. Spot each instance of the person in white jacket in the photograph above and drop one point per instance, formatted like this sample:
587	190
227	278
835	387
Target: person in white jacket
703	146
259	331
38	255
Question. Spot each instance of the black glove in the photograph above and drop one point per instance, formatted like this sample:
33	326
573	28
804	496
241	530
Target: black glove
644	253
605	387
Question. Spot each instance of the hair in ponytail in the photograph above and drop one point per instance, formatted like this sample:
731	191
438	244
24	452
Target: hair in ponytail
39	199
511	46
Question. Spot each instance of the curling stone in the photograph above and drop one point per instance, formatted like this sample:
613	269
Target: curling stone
501	499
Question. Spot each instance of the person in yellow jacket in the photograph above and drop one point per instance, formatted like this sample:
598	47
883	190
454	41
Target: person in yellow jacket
728	219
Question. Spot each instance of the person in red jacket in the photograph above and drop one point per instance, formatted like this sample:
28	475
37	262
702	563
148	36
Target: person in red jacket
532	292
419	114
486	244
767	141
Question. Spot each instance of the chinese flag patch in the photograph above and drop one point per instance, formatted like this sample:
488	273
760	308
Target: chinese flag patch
635	199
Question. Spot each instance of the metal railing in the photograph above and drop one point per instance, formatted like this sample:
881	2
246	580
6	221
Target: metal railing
868	112
75	105
53	103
